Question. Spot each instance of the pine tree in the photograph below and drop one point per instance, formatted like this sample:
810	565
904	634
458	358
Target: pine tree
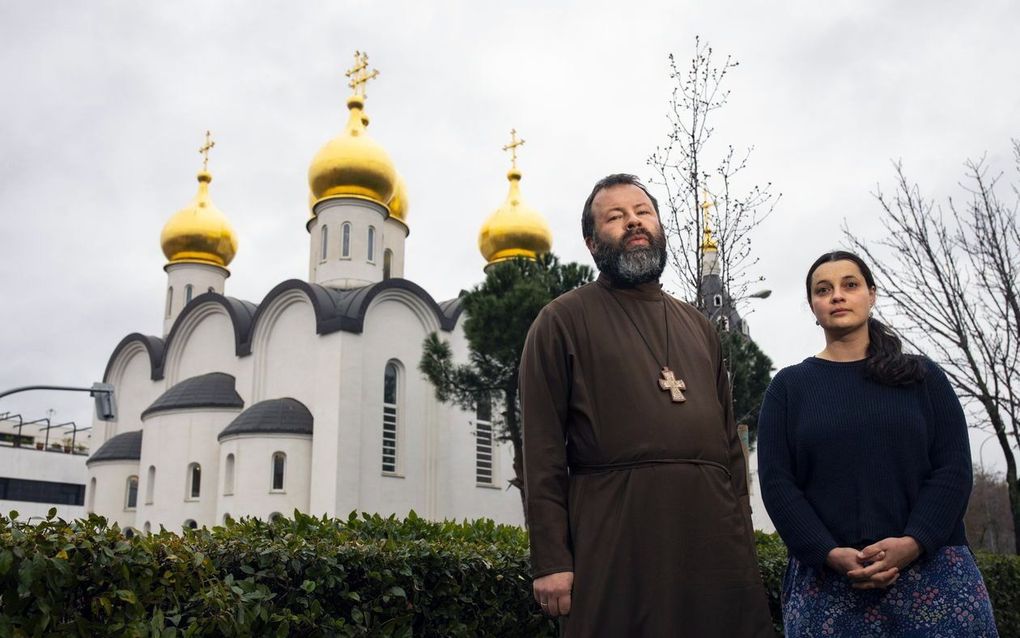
499	312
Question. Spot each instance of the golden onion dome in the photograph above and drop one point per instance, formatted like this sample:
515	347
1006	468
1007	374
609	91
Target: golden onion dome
353	164
199	232
514	229
398	203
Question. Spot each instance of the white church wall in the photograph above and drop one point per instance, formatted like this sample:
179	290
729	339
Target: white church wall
106	491
394	236
134	390
202	278
291	360
507	507
359	267
283	347
462	495
342	444
172	442
759	516
395	327
249	492
324	384
204	343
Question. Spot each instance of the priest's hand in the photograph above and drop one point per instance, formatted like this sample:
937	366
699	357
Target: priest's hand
883	562
553	593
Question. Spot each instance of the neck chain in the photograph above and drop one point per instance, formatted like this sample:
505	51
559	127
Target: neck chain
667	381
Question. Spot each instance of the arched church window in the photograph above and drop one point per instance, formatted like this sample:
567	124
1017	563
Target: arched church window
150	484
147	528
129	532
345	240
387	262
324	244
189	290
131	493
279	466
390	419
228	475
190	524
724	323
483	441
717	301
194	480
169	300
275	516
371	243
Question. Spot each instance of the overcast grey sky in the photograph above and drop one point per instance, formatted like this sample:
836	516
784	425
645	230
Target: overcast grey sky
105	103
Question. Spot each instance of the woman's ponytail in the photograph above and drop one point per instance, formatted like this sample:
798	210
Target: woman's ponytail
886	362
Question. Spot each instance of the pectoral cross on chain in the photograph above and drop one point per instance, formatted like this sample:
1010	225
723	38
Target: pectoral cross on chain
674	385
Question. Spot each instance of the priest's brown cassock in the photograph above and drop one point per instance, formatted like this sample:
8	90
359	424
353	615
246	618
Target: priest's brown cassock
643	498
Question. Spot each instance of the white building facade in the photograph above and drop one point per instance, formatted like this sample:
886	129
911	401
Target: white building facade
39	472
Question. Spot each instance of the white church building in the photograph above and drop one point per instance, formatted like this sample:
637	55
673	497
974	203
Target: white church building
311	399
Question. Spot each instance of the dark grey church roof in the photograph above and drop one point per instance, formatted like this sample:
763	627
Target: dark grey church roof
123	447
213	390
345	309
276	416
451	309
334	309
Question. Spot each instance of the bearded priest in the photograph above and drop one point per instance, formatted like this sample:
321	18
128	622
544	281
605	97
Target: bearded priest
635	479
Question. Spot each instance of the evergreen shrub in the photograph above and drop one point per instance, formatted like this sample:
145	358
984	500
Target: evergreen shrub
363	576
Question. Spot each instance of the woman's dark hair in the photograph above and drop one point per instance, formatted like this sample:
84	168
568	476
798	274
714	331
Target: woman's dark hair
886	362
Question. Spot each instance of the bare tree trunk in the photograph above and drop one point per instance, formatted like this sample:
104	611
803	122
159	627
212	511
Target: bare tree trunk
952	280
1014	503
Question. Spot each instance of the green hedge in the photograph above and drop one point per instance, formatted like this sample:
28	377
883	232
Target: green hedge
307	576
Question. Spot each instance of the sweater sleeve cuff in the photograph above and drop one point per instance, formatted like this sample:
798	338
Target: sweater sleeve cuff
928	544
818	555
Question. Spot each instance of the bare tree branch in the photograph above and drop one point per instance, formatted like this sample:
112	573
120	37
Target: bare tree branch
683	167
951	280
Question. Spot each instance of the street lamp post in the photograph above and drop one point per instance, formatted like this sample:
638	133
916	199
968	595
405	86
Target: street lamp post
981	450
101	392
990	522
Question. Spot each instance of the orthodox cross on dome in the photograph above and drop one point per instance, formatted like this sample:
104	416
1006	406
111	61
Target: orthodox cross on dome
512	147
359	73
204	150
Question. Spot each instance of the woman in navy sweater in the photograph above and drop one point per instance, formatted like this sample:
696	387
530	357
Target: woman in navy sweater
866	471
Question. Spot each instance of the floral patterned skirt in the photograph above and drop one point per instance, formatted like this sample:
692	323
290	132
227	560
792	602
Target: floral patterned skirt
940	597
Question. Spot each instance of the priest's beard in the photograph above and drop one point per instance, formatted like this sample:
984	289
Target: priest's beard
631	266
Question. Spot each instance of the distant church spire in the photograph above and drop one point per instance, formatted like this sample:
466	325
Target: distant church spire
709	249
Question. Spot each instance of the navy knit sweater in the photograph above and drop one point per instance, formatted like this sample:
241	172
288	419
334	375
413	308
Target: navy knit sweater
845	461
